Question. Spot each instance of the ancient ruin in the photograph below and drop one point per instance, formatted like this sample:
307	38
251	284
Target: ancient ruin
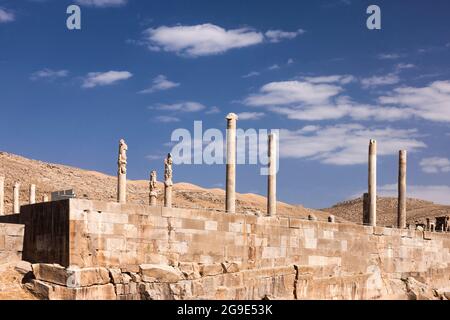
78	248
153	189
122	172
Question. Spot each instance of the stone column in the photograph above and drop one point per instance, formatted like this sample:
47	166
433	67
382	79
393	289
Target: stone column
2	196
230	192
153	190
45	198
372	182
272	176
168	182
401	207
16	201
122	172
428	224
32	196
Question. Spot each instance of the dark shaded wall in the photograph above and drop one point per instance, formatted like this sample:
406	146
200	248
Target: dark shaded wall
46	237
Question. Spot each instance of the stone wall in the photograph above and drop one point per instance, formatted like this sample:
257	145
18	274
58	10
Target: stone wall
11	242
217	255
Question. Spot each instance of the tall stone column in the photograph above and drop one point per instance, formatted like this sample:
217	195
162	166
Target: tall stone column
230	192
16	201
153	189
272	176
2	196
401	207
168	182
372	182
122	172
32	194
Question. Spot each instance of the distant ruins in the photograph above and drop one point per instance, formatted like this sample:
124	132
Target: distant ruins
85	249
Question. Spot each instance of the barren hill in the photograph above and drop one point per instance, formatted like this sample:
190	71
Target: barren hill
416	210
98	186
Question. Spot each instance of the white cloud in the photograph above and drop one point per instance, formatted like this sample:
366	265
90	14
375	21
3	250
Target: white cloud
251	74
160	83
322	98
437	193
213	110
166	119
49	74
389	56
94	79
376	81
102	3
287	92
435	165
431	102
290	61
274	67
345	144
200	40
250	115
6	16
342	79
279	35
188	106
402	66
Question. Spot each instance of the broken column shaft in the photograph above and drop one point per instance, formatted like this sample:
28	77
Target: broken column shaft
230	201
16	201
372	182
32	194
272	176
401	207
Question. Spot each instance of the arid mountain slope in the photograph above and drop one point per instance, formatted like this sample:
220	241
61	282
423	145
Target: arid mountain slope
416	210
98	186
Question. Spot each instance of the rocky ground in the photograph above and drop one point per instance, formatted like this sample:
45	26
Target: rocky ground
417	210
98	186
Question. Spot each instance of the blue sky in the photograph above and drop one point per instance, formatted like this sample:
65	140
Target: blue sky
140	69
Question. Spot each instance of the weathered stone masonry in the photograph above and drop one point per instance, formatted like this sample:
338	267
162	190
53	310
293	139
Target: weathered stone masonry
184	253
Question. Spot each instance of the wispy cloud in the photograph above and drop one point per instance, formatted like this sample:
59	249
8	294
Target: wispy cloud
102	3
435	165
250	115
251	74
345	144
166	119
213	110
323	98
6	15
389	56
274	67
279	35
49	74
431	102
160	83
94	79
376	81
188	106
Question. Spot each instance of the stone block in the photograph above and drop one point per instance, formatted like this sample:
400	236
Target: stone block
230	267
190	270
23	267
211	269
159	273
